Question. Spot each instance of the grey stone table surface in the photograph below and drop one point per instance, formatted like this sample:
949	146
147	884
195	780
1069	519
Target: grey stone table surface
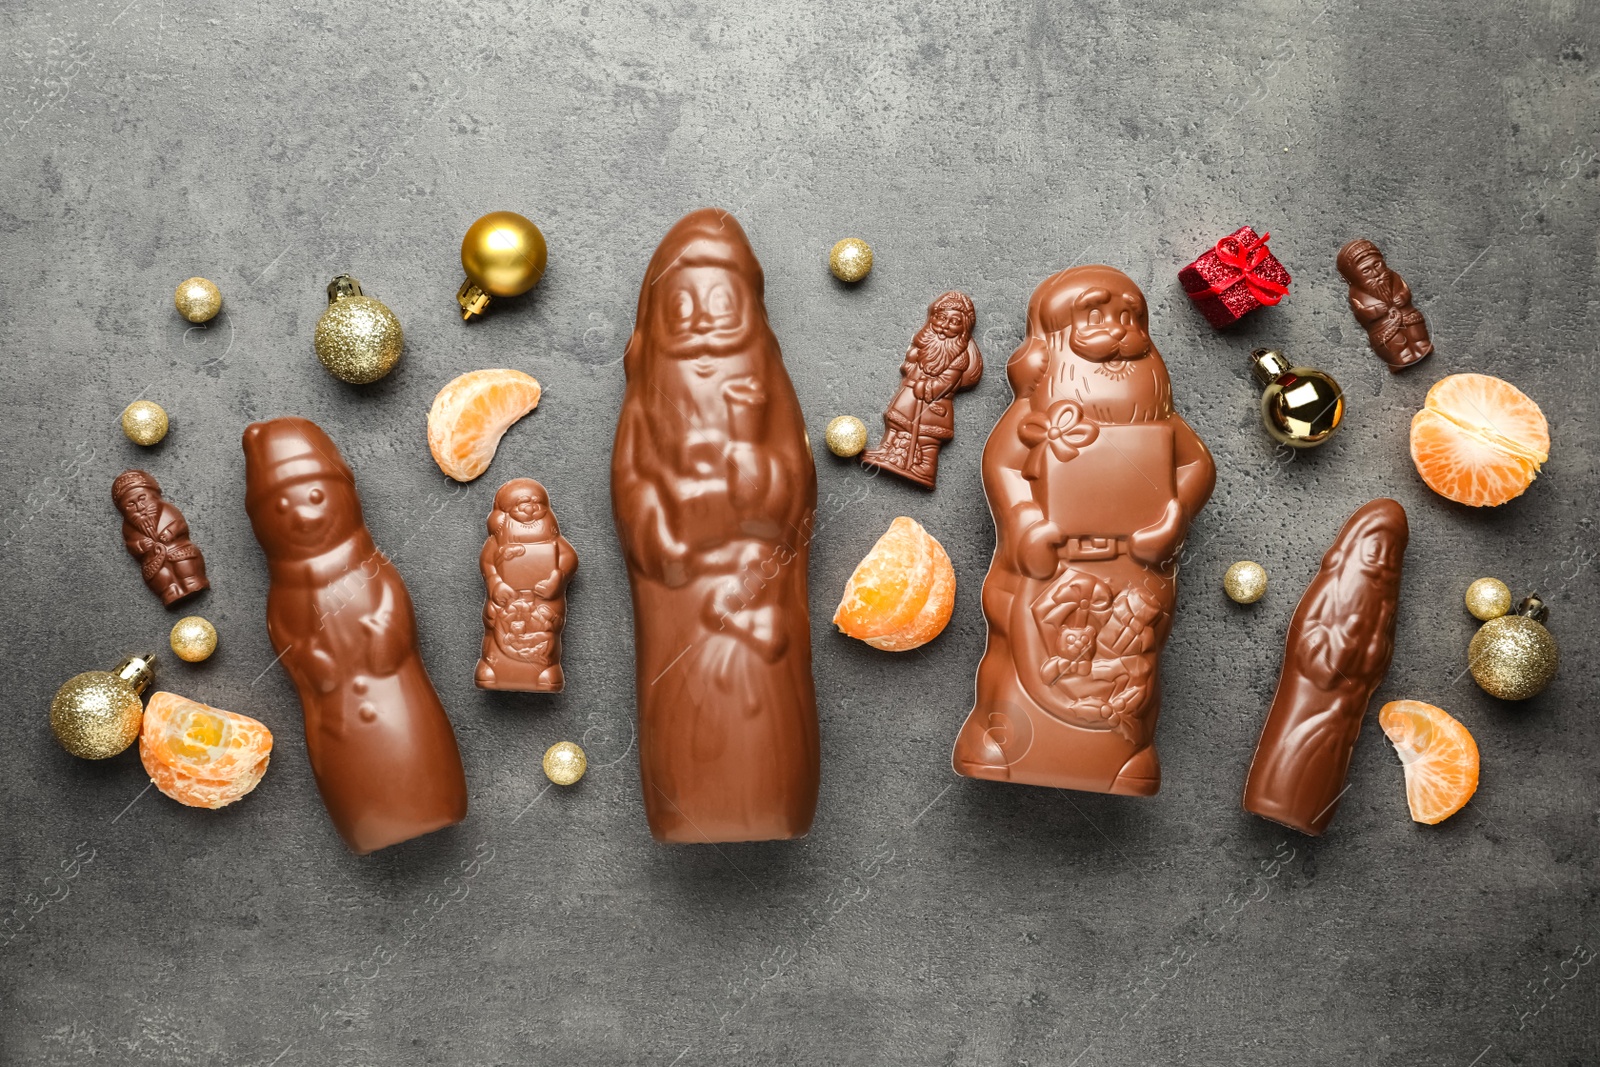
927	918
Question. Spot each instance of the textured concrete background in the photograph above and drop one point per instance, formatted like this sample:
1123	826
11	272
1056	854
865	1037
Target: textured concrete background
927	919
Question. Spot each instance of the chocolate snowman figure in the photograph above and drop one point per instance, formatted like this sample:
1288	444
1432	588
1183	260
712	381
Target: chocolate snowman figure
526	566
381	746
1092	479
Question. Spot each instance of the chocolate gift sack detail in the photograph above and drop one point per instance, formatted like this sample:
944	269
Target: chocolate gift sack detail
1381	301
714	493
1092	480
339	616
526	566
157	535
1340	642
1233	278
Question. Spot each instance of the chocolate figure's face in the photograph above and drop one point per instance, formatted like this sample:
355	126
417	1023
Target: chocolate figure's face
948	321
1377	554
141	502
702	312
312	515
527	506
1110	324
1371	268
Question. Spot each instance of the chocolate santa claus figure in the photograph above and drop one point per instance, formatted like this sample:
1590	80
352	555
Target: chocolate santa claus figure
339	616
526	566
714	491
1381	301
156	534
942	361
1093	480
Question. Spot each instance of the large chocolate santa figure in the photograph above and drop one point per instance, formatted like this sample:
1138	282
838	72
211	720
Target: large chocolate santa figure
1093	480
714	492
341	620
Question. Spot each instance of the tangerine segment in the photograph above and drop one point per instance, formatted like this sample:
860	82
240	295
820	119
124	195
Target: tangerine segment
472	413
199	755
901	594
1439	755
1478	440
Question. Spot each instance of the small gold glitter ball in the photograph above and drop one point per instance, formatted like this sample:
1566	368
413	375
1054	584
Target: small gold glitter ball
564	763
1245	582
145	422
847	436
358	338
1513	657
198	300
193	639
97	714
1488	598
850	260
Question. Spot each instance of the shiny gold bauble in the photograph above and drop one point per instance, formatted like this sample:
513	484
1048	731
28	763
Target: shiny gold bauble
850	260
358	338
1300	407
97	714
1488	598
564	763
1245	582
504	255
145	422
193	639
198	300
847	436
1513	657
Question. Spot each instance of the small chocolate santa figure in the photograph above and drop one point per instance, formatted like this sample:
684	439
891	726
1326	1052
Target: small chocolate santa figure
943	360
1381	302
526	566
158	537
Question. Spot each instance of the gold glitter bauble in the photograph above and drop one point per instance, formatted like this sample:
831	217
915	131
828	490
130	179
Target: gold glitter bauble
847	436
145	422
97	714
193	639
564	763
1245	582
850	260
503	254
358	338
198	300
1488	598
1513	657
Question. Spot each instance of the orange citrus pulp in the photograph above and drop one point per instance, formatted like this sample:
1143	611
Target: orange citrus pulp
1478	440
1439	755
472	413
902	593
199	755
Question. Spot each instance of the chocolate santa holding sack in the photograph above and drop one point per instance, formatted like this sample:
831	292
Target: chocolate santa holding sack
714	491
381	747
526	566
1093	480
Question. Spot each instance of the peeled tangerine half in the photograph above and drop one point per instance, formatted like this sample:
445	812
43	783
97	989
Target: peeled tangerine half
1478	440
472	413
902	593
199	755
1440	758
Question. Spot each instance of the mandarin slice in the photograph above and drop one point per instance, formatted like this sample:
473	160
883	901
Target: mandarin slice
902	593
1478	440
199	755
1439	755
472	413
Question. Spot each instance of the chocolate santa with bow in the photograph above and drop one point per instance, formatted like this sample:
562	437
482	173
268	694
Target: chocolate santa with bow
339	616
1093	480
714	490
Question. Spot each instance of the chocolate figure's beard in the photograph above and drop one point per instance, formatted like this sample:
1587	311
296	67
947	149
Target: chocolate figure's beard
696	345
1101	347
537	531
146	517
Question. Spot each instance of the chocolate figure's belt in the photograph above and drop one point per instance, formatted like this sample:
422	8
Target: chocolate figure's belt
1396	320
1092	548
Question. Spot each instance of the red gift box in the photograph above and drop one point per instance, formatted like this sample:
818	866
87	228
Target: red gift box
1234	278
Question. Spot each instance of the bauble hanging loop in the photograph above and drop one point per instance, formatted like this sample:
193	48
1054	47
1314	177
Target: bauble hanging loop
503	254
1300	407
358	338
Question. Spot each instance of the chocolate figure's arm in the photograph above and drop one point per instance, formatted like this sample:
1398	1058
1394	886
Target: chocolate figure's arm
1367	309
932	387
391	631
1020	522
647	538
499	592
974	369
134	538
566	564
1196	477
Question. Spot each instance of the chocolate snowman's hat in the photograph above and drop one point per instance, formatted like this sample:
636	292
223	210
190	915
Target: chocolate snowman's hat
284	451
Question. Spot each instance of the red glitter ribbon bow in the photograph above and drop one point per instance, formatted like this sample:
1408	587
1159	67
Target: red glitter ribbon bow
1245	258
